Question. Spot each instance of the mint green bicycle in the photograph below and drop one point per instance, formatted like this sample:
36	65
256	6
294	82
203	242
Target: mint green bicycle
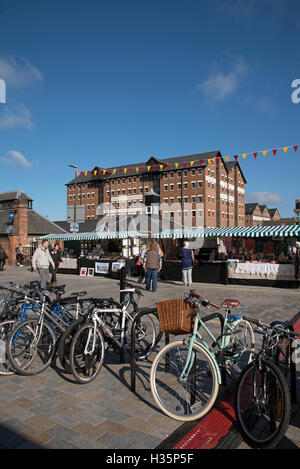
186	374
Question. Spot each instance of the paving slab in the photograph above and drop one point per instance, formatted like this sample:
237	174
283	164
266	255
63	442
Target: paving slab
52	410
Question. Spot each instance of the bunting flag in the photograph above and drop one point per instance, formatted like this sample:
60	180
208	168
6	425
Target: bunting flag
187	164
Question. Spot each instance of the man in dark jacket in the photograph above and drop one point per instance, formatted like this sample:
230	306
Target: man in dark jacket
3	257
56	256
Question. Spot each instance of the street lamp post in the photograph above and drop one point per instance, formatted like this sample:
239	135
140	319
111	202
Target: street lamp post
75	167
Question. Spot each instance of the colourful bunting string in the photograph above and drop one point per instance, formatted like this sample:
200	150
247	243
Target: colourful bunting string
185	164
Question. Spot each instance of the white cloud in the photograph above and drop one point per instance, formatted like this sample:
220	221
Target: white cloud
265	198
18	74
16	115
221	85
15	159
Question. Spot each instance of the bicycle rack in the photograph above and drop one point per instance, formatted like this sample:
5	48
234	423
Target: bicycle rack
133	348
292	324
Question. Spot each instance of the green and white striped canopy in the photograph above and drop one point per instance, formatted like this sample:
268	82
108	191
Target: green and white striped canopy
240	231
93	236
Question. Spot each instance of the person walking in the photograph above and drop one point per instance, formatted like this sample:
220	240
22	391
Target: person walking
3	257
187	262
140	263
19	255
56	255
41	260
152	265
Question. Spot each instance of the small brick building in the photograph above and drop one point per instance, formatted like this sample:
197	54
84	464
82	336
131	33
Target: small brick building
20	224
256	214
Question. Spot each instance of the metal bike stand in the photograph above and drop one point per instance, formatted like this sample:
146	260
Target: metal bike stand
122	296
133	350
167	363
293	375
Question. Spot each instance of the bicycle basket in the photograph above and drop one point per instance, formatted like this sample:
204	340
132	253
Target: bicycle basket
173	316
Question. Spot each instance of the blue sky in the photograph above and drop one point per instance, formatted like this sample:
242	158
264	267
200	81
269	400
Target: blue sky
108	83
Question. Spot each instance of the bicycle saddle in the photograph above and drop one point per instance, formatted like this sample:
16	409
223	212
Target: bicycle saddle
59	288
79	293
231	302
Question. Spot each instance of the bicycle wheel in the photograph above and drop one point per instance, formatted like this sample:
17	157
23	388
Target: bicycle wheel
262	405
64	345
239	348
87	353
31	347
146	335
5	330
184	398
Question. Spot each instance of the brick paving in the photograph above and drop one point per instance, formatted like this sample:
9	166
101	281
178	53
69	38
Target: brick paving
51	410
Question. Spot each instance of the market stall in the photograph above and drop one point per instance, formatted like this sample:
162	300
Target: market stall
97	253
259	255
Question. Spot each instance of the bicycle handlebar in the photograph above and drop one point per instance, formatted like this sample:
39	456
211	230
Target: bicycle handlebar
215	305
276	327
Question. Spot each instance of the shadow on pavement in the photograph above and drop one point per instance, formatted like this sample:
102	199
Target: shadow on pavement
11	440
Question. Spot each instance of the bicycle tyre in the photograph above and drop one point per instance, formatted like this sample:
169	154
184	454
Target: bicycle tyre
64	344
86	368
146	335
176	399
5	330
244	349
26	357
259	429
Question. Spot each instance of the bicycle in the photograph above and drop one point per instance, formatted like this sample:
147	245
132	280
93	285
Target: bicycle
110	326
13	309
262	398
31	345
186	374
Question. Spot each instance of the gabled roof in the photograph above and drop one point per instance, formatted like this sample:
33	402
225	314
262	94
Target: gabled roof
14	195
249	208
229	165
272	211
37	224
86	227
90	177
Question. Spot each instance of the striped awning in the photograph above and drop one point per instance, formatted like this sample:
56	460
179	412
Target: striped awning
93	236
240	231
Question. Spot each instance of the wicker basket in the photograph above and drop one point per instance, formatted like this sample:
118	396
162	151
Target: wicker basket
173	316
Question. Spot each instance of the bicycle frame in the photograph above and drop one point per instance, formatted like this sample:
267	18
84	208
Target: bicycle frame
191	355
107	330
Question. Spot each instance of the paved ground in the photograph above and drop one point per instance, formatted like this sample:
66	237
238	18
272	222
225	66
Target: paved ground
51	410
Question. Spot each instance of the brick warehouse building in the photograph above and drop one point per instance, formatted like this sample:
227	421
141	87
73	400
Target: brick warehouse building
20	224
184	181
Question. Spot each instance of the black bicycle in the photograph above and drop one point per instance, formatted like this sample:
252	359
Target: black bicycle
262	399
